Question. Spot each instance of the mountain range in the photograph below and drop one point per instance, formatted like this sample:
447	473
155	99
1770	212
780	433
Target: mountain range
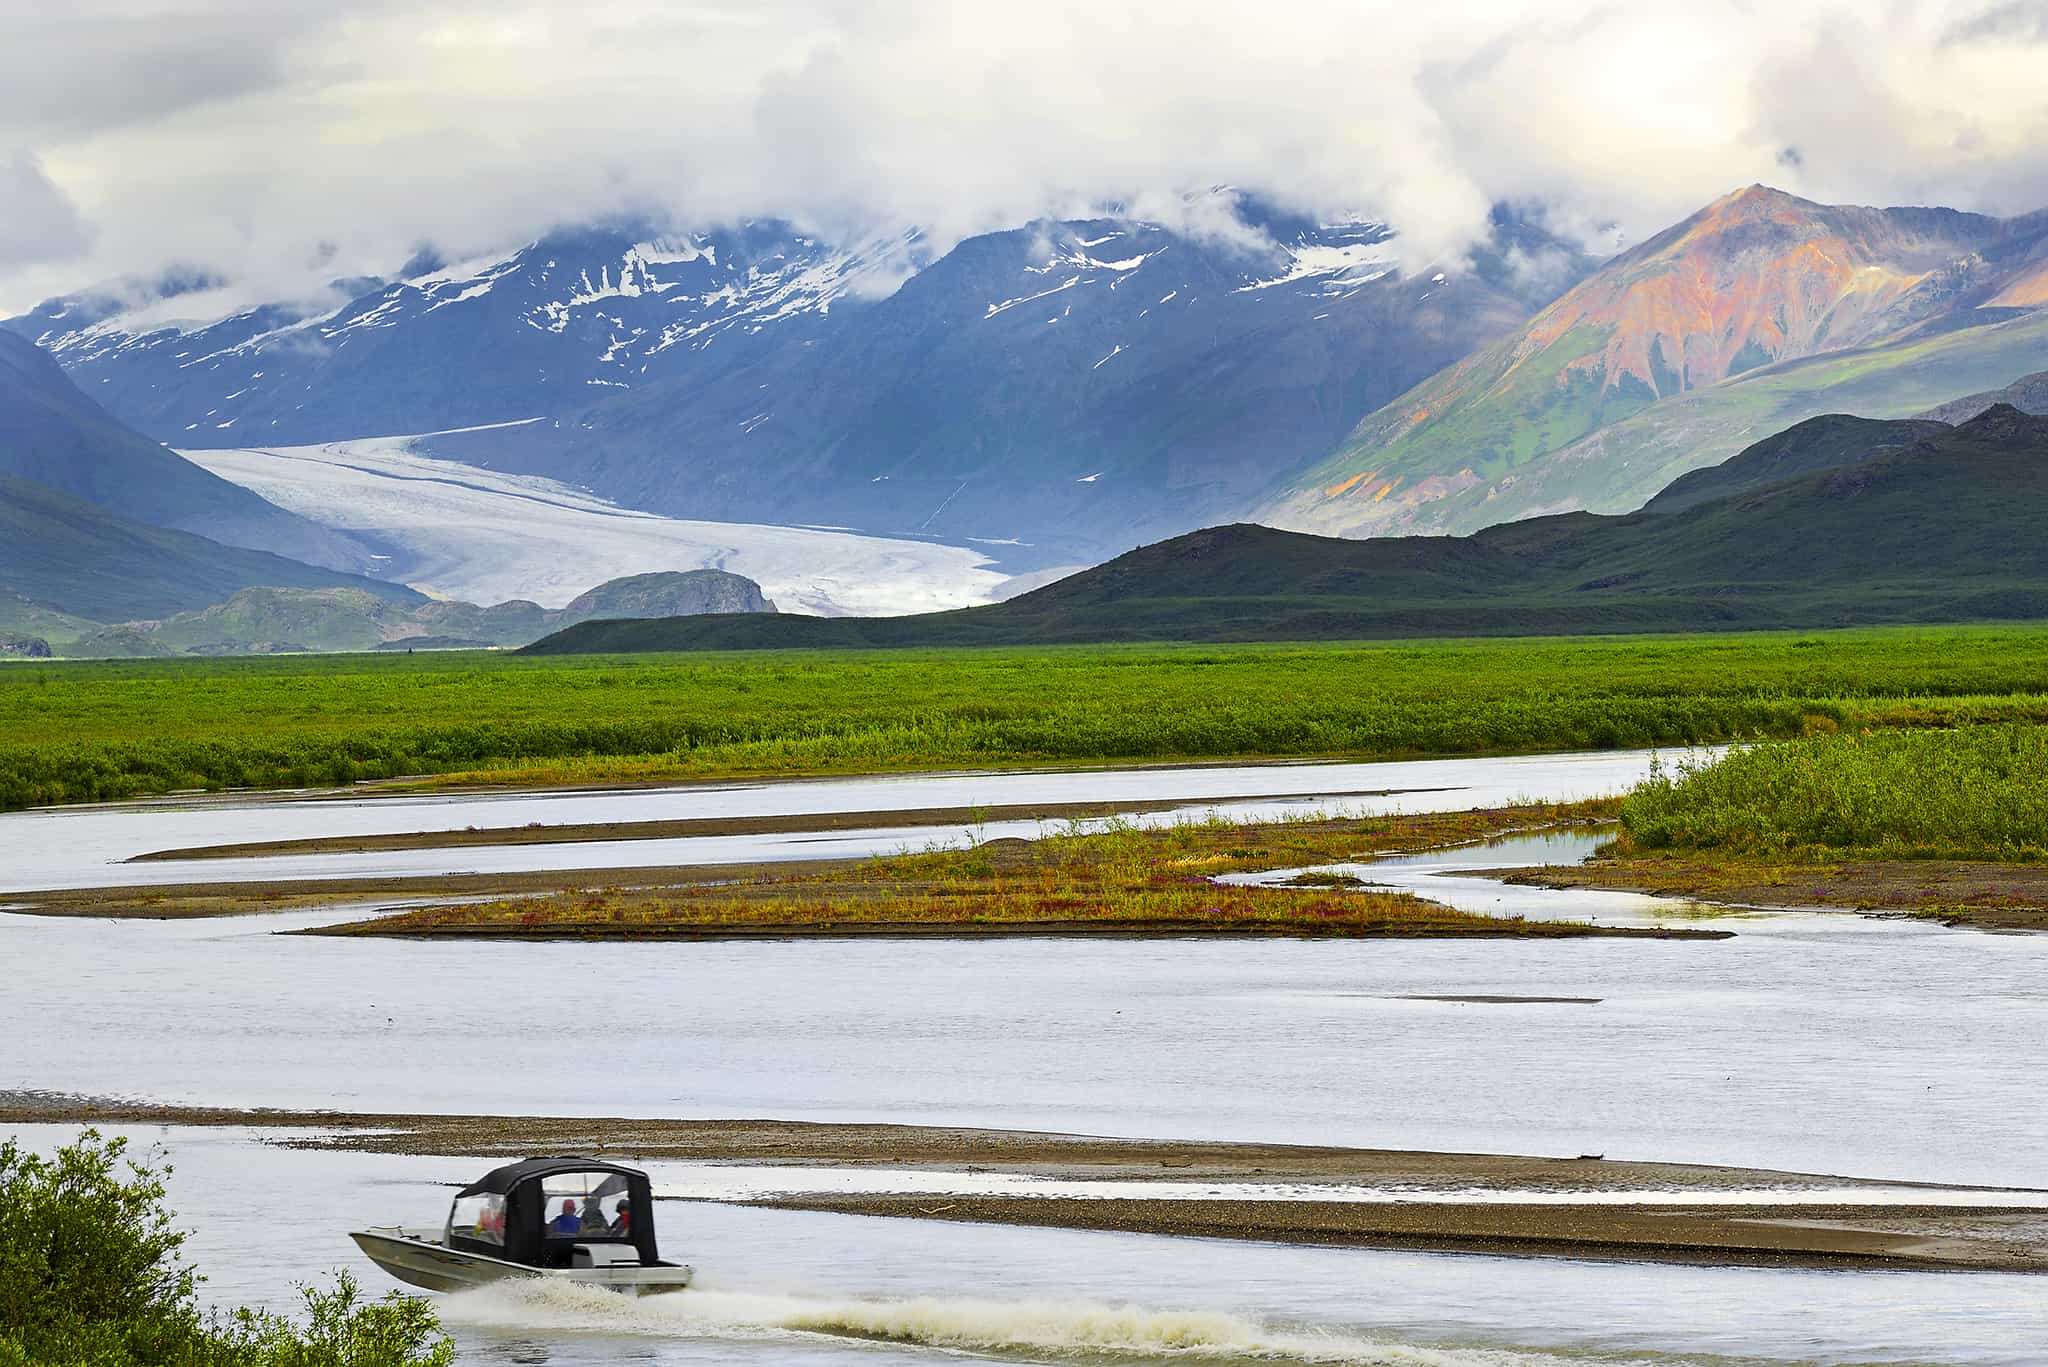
622	397
1836	521
1051	391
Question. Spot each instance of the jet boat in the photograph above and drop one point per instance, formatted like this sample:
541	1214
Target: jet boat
576	1220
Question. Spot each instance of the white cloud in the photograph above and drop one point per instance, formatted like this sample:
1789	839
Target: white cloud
236	136
38	222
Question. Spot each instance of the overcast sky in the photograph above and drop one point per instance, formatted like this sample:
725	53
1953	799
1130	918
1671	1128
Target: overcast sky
285	141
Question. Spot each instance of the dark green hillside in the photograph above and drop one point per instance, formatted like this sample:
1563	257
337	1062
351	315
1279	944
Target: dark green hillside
52	433
1817	444
1838	522
80	559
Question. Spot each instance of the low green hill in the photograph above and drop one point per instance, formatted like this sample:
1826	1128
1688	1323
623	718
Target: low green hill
268	619
21	617
1837	522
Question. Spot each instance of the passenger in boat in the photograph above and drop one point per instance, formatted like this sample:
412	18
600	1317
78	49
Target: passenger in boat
568	1222
622	1223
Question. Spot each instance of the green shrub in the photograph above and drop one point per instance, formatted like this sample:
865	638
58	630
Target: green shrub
91	1273
1975	793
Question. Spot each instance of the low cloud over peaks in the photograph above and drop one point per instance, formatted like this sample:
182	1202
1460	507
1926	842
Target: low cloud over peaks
238	137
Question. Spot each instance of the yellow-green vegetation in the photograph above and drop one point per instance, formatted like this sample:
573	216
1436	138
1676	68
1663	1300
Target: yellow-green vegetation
1978	793
115	729
1123	880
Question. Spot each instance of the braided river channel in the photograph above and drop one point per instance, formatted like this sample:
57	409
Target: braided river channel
1811	1042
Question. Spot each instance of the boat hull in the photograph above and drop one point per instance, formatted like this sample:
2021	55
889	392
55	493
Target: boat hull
426	1262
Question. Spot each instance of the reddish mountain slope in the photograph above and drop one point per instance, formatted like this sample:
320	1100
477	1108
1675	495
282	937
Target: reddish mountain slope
1758	278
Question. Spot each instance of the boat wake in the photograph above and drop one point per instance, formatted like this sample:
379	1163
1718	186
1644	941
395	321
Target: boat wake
1074	1331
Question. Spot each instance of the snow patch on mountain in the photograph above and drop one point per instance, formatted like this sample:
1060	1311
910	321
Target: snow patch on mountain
1343	267
768	293
484	537
676	251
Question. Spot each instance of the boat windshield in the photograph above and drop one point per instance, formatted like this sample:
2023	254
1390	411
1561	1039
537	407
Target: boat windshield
479	1217
586	1205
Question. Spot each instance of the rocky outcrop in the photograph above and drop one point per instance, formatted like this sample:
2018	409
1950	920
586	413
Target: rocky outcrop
689	593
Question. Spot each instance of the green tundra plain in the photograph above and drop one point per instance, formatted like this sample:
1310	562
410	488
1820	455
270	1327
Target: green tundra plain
100	730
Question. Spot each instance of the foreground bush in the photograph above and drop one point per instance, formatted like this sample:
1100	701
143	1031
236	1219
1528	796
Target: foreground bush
91	1273
1975	793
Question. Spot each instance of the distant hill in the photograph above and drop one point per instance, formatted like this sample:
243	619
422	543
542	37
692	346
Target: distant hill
1838	522
2029	394
268	619
60	552
55	435
23	617
1758	311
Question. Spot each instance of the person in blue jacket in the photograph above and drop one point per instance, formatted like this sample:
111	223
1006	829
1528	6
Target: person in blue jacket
568	1221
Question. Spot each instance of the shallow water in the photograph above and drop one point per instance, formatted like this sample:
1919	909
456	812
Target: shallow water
795	1287
1819	1043
1456	878
84	846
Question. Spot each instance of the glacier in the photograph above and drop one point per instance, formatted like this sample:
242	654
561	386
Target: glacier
467	533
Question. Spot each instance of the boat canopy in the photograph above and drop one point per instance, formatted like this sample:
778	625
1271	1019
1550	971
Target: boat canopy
536	1211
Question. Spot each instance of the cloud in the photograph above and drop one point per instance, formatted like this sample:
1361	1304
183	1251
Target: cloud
39	223
240	137
2023	21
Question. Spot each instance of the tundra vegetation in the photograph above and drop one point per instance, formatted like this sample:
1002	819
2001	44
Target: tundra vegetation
1979	792
91	1273
77	732
1951	824
1116	879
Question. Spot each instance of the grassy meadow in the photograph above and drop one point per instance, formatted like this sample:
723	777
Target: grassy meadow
86	731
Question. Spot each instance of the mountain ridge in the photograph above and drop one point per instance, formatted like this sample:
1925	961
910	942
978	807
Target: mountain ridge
1875	522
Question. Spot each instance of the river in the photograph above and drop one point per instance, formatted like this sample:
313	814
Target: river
1825	1043
57	847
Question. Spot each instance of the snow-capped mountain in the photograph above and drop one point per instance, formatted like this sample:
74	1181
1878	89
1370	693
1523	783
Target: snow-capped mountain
1075	386
451	345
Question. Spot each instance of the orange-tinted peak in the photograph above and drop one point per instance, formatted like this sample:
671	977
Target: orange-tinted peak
1754	199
